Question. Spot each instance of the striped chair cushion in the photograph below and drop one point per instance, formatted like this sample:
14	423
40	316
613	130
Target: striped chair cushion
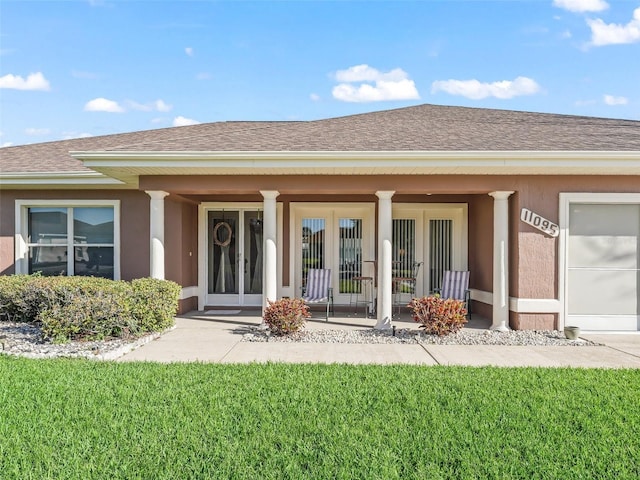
455	284
318	283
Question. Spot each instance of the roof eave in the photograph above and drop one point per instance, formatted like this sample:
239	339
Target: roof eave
80	179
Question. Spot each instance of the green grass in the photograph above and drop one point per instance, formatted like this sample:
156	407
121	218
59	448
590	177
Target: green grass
81	419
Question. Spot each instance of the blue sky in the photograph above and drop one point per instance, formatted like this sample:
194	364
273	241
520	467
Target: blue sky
79	68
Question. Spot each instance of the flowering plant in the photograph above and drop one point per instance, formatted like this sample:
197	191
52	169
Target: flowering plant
438	316
286	315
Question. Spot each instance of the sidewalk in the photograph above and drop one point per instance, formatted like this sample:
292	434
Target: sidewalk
217	338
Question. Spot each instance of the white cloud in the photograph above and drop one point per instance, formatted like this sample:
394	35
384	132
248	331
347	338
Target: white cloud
613	33
6	144
315	97
161	106
34	81
581	5
611	100
181	121
365	73
392	85
37	131
189	51
157	105
566	34
103	105
203	76
477	90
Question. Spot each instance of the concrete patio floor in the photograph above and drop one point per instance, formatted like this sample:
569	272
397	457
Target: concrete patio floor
216	337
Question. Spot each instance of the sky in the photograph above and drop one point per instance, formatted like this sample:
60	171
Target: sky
79	68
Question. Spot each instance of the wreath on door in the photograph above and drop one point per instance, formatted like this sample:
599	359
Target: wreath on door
222	242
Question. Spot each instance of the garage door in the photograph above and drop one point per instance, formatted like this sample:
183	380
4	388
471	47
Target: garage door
604	266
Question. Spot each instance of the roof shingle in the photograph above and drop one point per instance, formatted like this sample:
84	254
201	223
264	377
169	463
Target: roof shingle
417	128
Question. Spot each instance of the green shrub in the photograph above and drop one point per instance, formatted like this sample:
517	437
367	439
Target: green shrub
11	295
89	308
154	303
286	315
438	316
89	317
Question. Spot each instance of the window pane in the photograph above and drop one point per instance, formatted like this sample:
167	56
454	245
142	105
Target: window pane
223	252
312	245
94	261
404	246
253	252
350	254
47	225
48	260
440	250
93	225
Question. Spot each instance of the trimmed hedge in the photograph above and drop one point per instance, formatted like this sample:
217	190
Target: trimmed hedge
89	308
155	302
11	292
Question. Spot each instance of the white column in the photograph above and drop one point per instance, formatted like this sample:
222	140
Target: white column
156	228
385	231
270	251
500	261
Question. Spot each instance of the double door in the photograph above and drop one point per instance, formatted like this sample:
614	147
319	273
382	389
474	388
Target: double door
234	256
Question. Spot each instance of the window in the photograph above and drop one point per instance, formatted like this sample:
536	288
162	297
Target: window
74	239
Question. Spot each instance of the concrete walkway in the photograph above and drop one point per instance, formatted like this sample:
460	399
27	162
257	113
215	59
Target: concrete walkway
217	338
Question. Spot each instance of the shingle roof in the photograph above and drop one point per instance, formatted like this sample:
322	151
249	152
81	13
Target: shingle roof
418	128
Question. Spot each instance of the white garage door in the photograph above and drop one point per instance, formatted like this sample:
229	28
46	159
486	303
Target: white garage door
604	266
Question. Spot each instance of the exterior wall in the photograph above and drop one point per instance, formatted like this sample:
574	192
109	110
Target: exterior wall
181	248
181	241
538	269
134	224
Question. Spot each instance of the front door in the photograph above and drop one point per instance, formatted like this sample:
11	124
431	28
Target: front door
234	257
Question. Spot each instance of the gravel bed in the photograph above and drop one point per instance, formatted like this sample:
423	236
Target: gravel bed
405	335
26	340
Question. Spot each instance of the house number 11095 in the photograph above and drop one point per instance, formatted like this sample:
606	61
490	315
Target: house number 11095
541	223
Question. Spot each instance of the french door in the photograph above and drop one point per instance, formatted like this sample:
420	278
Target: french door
339	237
234	256
432	235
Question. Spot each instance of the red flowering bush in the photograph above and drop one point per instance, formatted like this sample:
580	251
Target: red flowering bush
438	316
286	315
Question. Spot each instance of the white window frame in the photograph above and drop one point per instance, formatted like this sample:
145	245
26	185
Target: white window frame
22	229
566	199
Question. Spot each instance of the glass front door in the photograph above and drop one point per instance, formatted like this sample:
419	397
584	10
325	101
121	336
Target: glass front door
234	257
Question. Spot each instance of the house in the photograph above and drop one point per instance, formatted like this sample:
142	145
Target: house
542	209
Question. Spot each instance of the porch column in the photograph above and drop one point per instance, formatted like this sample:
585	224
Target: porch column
500	261
270	252
385	231
156	229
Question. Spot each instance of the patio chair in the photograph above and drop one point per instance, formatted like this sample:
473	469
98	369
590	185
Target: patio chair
405	284
318	289
455	284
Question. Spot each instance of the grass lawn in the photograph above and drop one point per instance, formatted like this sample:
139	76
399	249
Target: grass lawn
81	419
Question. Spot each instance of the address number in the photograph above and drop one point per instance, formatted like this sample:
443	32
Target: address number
541	223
